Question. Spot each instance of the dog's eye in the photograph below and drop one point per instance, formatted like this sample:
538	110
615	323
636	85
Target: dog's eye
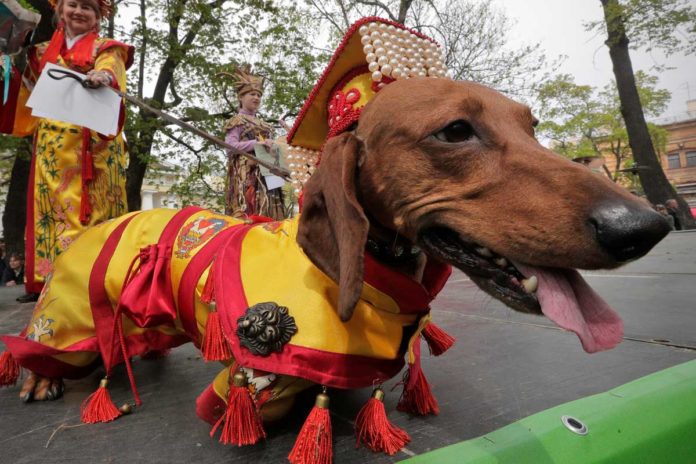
458	131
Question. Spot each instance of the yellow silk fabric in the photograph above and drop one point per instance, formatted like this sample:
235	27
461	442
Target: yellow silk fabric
58	172
283	393
314	128
363	83
181	259
64	306
274	268
24	123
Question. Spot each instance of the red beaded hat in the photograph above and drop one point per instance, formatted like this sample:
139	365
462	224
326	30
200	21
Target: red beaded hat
373	53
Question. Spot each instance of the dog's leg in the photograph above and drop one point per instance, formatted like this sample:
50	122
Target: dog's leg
40	388
275	393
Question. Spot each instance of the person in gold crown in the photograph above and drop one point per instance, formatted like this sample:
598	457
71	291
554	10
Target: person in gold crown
248	193
77	176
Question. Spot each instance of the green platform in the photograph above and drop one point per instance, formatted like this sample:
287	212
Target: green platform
649	420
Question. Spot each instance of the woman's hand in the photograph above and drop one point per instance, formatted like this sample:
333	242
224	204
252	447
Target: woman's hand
96	79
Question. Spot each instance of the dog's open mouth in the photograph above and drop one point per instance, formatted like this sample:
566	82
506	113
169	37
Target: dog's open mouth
562	295
494	274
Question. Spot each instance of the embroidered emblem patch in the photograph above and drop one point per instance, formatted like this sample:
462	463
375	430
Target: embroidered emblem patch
196	233
39	328
265	328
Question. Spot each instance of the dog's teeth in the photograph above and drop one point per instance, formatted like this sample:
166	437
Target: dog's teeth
501	262
530	284
485	252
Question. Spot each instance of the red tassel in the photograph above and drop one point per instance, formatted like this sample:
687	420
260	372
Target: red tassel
374	430
208	294
417	397
313	445
9	369
98	406
242	422
438	340
87	176
215	346
85	206
87	159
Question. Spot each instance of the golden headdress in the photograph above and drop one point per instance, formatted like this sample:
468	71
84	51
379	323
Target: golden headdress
105	6
244	81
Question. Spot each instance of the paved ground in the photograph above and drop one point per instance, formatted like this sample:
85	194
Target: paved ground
504	366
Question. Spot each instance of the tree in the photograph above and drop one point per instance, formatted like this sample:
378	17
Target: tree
197	93
651	24
583	121
475	36
182	46
170	34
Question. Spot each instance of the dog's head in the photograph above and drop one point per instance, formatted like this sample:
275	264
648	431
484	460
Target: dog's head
454	167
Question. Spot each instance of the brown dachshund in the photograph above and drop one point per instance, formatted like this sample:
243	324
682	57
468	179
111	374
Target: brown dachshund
451	171
454	168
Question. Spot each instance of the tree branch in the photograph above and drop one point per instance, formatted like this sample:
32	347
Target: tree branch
177	99
195	153
380	5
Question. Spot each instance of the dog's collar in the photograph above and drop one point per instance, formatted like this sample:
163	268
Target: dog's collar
393	253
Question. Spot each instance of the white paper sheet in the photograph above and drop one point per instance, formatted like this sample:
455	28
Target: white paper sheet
66	100
273	182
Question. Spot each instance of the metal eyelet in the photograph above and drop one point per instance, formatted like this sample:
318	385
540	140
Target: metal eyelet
574	425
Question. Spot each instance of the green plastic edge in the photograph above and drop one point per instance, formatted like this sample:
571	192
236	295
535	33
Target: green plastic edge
648	420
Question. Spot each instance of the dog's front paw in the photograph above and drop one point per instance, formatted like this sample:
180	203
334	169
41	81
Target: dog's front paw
37	388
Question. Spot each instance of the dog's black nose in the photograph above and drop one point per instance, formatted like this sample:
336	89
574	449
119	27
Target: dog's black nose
627	232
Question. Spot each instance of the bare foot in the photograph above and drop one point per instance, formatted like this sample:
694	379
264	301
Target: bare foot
40	388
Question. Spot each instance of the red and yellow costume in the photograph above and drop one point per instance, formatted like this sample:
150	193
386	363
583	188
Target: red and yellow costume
72	323
77	176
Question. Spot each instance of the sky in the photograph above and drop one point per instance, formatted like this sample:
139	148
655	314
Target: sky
558	26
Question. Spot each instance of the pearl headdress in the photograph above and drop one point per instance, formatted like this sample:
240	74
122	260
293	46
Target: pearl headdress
373	53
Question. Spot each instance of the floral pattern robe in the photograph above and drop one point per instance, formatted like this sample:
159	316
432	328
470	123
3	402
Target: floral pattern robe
57	189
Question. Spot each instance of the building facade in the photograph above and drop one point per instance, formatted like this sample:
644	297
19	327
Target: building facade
155	191
679	159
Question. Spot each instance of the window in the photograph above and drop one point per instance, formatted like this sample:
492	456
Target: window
691	158
673	161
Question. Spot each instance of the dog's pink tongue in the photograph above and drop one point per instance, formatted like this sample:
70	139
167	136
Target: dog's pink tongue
570	302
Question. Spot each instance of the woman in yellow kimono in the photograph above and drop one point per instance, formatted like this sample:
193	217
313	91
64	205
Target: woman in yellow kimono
77	176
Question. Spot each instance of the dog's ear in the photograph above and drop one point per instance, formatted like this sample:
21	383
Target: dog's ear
333	226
